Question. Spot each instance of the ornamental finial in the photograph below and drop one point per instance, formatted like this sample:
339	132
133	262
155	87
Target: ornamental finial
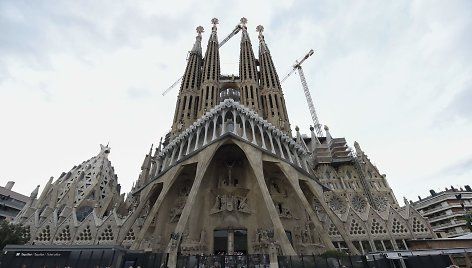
214	21
200	30
243	21
260	29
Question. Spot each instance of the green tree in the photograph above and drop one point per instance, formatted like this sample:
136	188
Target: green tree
468	219
12	234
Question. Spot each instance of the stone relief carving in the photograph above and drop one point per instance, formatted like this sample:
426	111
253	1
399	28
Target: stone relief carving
264	238
176	211
276	189
193	246
359	203
380	203
337	204
230	202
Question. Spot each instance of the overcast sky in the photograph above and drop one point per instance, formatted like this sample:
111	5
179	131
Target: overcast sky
396	76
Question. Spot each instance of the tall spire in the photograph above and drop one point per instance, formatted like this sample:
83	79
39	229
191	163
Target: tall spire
248	72
188	100
211	72
272	98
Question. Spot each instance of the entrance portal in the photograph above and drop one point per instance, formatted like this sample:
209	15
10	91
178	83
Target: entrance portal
230	242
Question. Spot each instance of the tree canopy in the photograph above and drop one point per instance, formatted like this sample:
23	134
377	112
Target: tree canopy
12	234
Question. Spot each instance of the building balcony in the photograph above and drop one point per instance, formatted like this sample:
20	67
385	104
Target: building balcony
432	201
425	213
448	225
444	217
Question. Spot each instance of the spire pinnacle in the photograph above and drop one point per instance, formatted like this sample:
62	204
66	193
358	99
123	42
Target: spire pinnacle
328	135
243	22
35	192
262	47
260	29
104	149
214	21
197	47
200	30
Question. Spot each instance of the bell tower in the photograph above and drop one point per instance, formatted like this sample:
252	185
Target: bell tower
249	85
273	102
188	100
211	73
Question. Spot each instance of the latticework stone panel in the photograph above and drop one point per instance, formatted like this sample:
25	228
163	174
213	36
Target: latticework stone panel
377	228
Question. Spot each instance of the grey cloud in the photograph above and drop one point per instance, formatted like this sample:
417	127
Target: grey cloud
458	168
460	107
32	30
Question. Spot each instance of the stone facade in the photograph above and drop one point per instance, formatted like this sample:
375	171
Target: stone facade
230	179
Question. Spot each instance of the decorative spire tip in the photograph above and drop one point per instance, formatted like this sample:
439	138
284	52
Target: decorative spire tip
214	21
243	21
260	29
200	30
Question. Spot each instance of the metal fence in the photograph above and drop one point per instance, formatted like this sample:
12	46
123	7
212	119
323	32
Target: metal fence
220	261
369	261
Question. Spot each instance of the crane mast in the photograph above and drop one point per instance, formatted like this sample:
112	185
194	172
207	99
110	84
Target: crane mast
298	67
311	106
233	33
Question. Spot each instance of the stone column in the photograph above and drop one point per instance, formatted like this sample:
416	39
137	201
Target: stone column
255	160
230	242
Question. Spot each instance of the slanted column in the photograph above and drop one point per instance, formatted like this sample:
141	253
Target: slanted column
297	159
280	147
189	142
214	128
234	123
269	133
202	165
158	165
164	161
172	156
262	137
181	148
206	133
289	153
253	133
243	117
223	122
305	163
198	138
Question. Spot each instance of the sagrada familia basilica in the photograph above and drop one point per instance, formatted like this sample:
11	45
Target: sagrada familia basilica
231	177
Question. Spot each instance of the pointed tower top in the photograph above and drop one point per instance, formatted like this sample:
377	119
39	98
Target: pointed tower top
328	135
260	29
35	192
314	139
150	149
200	30
262	47
214	21
358	148
197	47
104	149
245	35
243	21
